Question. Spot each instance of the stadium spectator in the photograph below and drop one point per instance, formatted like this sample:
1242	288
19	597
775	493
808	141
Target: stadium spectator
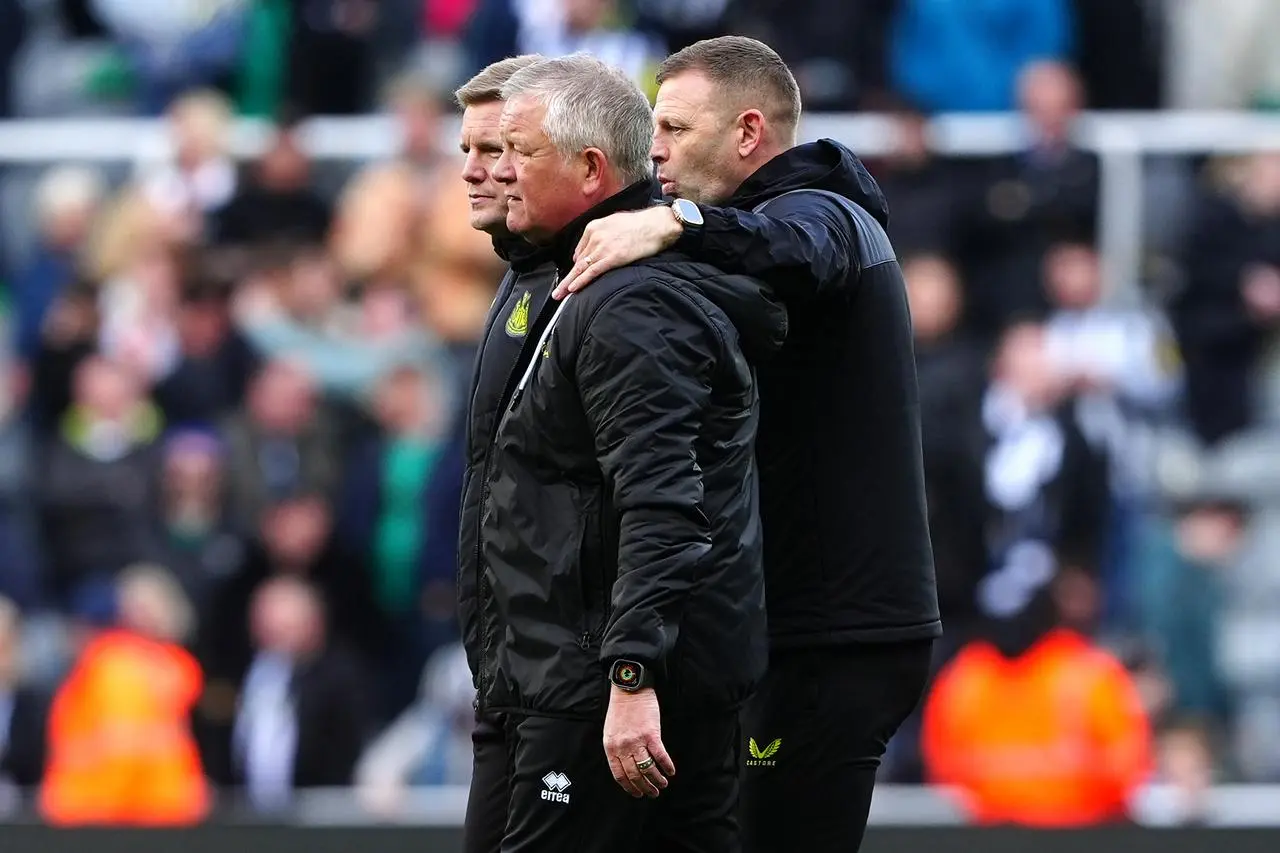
345	339
275	201
303	717
202	177
1035	728
295	539
417	107
951	371
382	518
1185	773
121	750
214	363
1181	591
1228	311
194	530
1045	194
281	443
98	482
925	190
1045	487
66	202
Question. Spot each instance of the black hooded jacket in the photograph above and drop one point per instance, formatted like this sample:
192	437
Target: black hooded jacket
524	290
620	517
847	551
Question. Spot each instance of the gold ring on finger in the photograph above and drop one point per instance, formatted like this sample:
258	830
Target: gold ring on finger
646	764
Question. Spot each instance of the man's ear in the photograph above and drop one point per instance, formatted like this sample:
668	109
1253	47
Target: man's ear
751	129
595	164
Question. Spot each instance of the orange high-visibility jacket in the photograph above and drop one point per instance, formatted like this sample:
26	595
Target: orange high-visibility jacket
1057	737
120	746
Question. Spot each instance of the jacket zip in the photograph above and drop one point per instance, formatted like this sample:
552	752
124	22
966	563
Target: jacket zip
482	592
485	591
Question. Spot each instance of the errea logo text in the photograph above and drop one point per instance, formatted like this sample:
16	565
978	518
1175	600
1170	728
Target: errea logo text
556	785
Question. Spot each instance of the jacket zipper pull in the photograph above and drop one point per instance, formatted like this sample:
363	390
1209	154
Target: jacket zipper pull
584	642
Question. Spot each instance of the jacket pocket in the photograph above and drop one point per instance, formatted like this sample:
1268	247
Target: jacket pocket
591	580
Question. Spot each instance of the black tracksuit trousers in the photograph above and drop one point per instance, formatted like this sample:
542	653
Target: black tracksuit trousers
820	724
543	785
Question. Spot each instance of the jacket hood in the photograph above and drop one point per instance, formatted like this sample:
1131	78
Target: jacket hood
822	165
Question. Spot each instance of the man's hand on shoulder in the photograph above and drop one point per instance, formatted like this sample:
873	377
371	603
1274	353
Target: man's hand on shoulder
633	742
618	240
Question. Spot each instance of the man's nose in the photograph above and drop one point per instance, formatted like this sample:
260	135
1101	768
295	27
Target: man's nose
471	171
658	152
503	171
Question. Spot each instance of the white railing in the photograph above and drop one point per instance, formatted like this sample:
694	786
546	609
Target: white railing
1120	140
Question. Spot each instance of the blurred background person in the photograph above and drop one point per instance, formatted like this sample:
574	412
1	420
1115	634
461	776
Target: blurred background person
303	717
98	486
66	204
121	751
1228	308
280	443
383	517
1037	727
195	531
275	200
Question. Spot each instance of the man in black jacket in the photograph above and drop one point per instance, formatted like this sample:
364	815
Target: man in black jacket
620	571
521	296
853	609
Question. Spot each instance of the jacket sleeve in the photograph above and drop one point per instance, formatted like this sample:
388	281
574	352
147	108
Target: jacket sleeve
803	246
644	372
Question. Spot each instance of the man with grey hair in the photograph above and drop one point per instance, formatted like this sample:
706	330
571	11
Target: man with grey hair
853	602
521	295
621	589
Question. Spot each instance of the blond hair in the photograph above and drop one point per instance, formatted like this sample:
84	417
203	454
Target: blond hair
486	87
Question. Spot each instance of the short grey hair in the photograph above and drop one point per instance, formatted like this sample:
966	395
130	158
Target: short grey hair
590	105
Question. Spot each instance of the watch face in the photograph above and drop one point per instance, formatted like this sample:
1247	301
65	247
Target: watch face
687	211
626	674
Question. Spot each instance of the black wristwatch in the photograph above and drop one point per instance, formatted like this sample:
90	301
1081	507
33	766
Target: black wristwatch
630	676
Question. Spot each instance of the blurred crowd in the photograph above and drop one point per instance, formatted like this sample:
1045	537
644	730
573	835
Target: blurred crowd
231	394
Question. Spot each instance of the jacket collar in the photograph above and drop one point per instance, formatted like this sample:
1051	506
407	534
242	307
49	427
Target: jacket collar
521	254
638	196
